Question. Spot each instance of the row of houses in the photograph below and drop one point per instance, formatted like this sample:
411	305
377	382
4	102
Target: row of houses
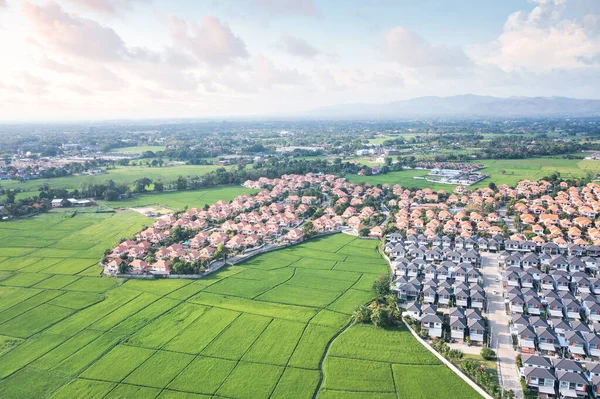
429	278
273	215
567	216
552	378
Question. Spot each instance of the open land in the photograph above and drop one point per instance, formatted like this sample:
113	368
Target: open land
259	329
180	199
120	175
500	171
139	149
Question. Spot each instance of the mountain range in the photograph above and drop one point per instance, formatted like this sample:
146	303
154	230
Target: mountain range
468	105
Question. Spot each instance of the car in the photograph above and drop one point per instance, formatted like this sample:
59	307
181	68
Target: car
497	279
494	292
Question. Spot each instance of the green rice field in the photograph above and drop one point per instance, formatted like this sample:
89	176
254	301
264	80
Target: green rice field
267	328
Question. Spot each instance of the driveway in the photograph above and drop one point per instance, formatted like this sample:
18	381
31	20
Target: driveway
508	373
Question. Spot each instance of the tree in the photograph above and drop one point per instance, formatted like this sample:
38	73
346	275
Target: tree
220	252
390	300
381	286
361	314
159	186
364	232
111	195
492	186
123	268
307	229
181	183
141	184
10	196
487	354
380	317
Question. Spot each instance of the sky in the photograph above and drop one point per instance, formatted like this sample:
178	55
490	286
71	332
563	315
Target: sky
135	59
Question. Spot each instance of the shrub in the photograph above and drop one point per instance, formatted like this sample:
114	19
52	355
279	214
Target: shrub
519	361
380	317
361	314
488	354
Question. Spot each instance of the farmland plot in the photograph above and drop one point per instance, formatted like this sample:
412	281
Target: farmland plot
256	330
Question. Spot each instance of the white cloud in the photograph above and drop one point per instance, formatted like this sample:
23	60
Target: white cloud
543	40
74	35
297	46
211	41
268	74
409	49
288	7
110	7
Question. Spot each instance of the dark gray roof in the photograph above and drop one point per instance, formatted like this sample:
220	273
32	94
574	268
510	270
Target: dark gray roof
536	360
570	377
538	373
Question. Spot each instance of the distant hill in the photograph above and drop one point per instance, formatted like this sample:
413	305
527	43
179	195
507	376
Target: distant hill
468	105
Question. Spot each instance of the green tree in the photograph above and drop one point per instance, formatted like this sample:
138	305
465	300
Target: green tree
220	252
123	268
364	232
380	317
308	229
141	184
361	314
487	354
391	300
381	286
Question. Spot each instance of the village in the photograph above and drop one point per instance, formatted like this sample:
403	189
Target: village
274	217
541	248
513	269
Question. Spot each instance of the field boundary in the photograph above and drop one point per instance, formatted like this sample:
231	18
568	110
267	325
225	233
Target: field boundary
321	372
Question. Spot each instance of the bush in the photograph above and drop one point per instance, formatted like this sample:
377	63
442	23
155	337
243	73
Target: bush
361	314
488	354
380	317
381	287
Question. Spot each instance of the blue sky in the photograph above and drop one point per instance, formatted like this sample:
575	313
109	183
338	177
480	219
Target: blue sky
77	59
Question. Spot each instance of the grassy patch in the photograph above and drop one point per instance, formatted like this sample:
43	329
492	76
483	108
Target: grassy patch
118	363
251	380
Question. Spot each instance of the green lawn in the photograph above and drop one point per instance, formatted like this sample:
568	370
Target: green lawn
120	175
180	199
405	178
500	171
139	149
255	330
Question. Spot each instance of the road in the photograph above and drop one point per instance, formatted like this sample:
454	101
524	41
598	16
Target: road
509	220
508	373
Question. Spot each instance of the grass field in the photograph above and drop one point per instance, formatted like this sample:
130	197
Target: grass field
139	149
501	171
256	330
120	175
405	178
180	199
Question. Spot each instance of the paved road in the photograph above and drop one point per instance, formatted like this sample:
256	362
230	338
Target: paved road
498	320
509	220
